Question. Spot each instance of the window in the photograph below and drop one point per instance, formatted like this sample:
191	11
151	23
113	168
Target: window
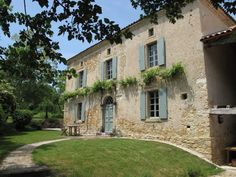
108	51
152	55
81	63
80	77
154	104
108	69
79	111
150	32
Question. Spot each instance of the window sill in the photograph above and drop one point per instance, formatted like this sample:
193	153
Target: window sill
153	120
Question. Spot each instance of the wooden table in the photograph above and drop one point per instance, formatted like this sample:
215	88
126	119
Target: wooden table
228	150
74	130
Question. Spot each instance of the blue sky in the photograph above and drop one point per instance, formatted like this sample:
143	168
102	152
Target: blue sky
120	11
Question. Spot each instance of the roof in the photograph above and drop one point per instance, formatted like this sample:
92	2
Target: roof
218	34
133	24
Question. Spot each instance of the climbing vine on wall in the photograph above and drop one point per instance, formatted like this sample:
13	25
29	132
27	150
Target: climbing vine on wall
147	77
162	73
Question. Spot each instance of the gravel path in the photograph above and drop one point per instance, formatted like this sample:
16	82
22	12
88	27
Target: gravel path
22	157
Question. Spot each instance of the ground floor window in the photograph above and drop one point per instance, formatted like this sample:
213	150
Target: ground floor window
79	111
153	100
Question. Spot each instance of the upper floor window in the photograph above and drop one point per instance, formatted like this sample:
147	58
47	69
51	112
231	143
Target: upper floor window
109	51
109	69
150	32
81	77
81	80
152	55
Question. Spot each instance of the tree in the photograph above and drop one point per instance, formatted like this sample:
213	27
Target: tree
77	19
7	99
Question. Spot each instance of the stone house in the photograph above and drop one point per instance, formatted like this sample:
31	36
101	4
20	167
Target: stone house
193	109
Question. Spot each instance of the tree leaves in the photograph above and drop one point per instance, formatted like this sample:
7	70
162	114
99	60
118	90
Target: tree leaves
77	19
42	3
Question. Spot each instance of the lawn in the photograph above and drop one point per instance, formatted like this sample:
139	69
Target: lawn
11	142
120	158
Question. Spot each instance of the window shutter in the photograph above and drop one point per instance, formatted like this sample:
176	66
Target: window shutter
75	111
76	82
114	68
85	78
141	58
102	71
163	103
161	51
83	111
142	105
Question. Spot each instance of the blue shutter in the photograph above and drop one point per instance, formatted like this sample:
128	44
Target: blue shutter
102	71
142	105
114	68
76	82
83	111
141	58
75	112
163	103
85	78
161	51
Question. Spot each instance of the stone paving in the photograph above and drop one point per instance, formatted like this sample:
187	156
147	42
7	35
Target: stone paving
22	157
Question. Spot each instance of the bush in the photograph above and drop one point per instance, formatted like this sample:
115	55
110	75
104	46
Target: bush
53	123
22	118
57	116
36	124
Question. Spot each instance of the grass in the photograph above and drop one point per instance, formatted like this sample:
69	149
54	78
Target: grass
11	142
120	158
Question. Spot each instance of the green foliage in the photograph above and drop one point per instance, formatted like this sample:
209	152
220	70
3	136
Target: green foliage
78	92
106	85
36	124
7	100
98	86
22	118
129	81
163	73
102	86
53	123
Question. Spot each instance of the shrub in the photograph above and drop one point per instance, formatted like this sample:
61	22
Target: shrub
129	81
36	124
53	123
57	116
21	118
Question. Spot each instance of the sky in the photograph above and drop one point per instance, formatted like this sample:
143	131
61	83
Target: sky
119	11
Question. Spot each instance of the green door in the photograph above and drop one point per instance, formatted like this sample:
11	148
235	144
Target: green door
108	118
